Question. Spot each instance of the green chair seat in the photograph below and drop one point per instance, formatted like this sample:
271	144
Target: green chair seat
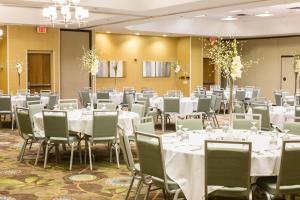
229	192
269	184
100	139
62	139
5	112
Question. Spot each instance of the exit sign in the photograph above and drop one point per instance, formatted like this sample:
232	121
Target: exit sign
41	29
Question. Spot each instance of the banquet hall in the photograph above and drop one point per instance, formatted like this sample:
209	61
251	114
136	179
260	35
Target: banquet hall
132	100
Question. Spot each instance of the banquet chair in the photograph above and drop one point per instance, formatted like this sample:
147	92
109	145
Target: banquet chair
102	95
289	100
45	93
57	132
255	93
240	95
32	98
244	121
134	168
171	107
106	106
216	109
85	97
149	110
67	104
33	102
239	107
104	129
293	125
138	109
149	148
26	131
144	124
129	96
6	109
204	105
263	110
23	92
53	100
259	100
278	96
34	109
173	93
104	101
191	121
287	183
297	113
234	172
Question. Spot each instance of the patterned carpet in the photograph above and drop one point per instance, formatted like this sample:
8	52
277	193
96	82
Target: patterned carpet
24	181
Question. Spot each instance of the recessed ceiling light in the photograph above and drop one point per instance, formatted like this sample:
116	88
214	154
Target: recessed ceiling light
164	35
265	14
199	16
229	18
137	34
236	11
108	32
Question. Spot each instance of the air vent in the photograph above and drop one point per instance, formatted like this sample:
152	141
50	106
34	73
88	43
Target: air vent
295	8
241	15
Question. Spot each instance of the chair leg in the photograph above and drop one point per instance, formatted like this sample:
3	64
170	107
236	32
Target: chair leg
138	191
85	151
23	150
110	153
38	153
72	154
12	122
130	187
163	123
117	155
148	192
176	194
90	156
46	155
79	150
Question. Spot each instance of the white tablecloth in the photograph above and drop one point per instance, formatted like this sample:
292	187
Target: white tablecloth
227	93
279	114
187	104
184	160
20	101
82	122
116	97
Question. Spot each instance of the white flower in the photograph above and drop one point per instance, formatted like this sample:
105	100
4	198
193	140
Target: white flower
236	67
19	68
177	68
95	68
297	65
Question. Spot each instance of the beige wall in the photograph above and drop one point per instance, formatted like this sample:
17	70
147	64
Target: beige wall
184	58
3	61
266	74
196	62
131	47
22	39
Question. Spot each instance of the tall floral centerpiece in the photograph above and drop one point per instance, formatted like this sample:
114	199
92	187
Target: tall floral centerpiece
176	68
297	69
224	55
115	67
19	68
90	62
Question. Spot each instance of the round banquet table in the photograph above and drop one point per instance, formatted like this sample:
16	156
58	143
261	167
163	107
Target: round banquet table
187	104
20	101
184	159
81	121
279	114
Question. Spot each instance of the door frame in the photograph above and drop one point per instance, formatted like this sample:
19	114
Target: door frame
52	69
283	56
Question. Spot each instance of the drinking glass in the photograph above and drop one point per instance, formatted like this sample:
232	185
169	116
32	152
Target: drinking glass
254	128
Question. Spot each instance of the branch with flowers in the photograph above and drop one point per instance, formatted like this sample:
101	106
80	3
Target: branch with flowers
177	68
19	68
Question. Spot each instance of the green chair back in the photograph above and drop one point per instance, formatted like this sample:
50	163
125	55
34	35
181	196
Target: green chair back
23	92
289	173
5	103
45	93
227	166
171	104
104	124
239	107
191	122
53	100
24	122
297	113
240	95
293	127
145	125
138	109
278	96
32	98
126	149
204	105
110	107
218	102
34	109
85	97
56	124
255	92
68	104
102	95
263	110
244	121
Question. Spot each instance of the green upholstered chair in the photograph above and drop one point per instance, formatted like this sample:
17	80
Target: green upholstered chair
130	100
6	108
255	93
229	168
204	105
57	132
171	107
287	183
191	121
263	110
244	121
85	97
102	95
26	131
278	96
297	113
293	125
138	109
134	168
34	109
30	98
173	93
104	131
145	125
239	107
53	100
67	104
149	148
240	95
106	106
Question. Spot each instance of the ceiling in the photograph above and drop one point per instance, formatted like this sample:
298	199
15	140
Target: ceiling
172	17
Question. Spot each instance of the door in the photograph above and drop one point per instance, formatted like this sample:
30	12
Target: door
287	74
208	73
39	71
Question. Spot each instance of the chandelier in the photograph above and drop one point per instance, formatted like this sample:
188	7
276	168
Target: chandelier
66	7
